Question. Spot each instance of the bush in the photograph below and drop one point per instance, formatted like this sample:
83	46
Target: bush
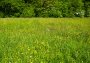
87	8
55	13
80	13
17	14
88	11
1	14
28	12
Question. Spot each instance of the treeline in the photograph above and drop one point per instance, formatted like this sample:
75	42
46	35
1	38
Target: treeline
44	8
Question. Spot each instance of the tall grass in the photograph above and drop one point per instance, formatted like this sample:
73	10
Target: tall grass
45	40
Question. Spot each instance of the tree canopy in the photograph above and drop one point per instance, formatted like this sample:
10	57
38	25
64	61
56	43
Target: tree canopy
44	8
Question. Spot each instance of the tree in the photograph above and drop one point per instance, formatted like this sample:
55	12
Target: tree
87	7
44	8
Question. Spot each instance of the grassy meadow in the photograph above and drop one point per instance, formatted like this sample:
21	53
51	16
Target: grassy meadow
44	40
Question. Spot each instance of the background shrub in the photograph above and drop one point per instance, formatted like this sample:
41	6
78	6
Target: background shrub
45	8
28	12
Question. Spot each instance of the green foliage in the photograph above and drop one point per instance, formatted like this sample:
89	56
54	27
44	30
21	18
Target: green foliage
87	5
55	13
28	12
1	14
45	8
